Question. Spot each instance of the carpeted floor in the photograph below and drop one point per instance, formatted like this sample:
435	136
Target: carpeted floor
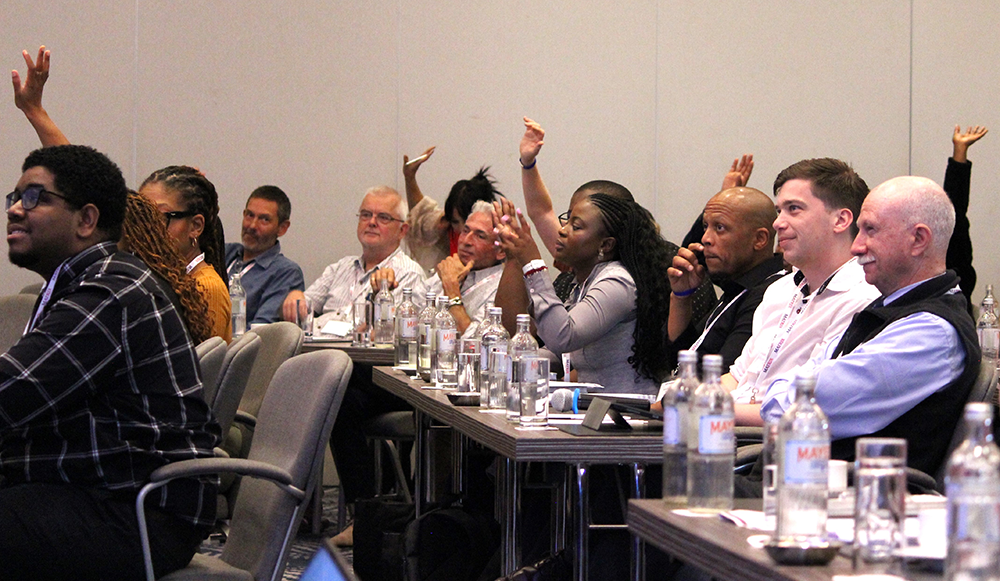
305	542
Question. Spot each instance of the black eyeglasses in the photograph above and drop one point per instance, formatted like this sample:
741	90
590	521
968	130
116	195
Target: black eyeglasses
177	215
382	218
30	196
563	218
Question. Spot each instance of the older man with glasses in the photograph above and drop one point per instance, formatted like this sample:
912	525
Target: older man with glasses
381	227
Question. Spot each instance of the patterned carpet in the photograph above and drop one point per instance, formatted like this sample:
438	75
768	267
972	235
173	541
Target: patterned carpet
305	542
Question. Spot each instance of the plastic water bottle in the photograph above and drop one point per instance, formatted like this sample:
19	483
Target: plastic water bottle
406	330
803	466
972	482
239	299
495	339
424	337
521	344
711	444
385	316
676	408
987	327
446	346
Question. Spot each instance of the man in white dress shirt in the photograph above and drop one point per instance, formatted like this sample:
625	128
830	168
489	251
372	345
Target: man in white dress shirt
818	201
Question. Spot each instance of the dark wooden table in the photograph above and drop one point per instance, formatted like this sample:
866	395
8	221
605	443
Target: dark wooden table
369	355
721	548
518	446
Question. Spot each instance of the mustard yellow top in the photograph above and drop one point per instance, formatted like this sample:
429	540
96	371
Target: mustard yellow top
217	296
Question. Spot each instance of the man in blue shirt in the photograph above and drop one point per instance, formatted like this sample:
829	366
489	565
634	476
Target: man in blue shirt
906	364
267	276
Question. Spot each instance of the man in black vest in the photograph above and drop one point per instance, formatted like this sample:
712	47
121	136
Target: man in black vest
905	365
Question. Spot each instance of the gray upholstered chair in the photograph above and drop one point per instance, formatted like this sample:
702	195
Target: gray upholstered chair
15	311
293	429
234	376
211	354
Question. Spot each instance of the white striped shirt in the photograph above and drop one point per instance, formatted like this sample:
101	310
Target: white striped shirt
346	280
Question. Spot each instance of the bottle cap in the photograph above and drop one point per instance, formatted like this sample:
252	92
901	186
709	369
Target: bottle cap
523	318
688	356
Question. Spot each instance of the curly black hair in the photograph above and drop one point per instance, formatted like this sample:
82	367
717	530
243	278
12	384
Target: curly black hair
198	195
646	256
86	176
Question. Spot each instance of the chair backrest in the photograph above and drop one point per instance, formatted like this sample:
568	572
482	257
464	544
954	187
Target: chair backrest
293	429
15	310
211	353
236	369
280	342
32	289
983	390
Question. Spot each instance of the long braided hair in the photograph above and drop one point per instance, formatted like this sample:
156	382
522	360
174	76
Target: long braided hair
145	236
199	196
646	256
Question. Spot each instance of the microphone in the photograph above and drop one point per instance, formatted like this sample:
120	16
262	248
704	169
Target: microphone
567	400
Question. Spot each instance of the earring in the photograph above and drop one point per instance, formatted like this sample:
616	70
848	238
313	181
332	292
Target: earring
600	255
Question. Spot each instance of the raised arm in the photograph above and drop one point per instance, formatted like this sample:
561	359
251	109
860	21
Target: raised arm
28	98
537	200
957	178
410	167
961	141
739	172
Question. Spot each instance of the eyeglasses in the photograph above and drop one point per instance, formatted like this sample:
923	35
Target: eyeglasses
382	218
30	196
563	218
177	215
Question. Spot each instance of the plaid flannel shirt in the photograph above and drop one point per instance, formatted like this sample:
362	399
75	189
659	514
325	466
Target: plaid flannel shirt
104	388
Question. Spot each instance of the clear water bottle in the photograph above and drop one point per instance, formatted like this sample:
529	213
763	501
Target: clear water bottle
676	408
521	344
495	339
385	316
446	346
406	330
803	466
424	338
711	444
972	483
239	299
988	328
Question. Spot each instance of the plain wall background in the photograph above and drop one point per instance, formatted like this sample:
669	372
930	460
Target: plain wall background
323	98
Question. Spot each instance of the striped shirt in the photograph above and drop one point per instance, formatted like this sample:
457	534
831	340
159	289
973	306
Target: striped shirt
347	280
104	388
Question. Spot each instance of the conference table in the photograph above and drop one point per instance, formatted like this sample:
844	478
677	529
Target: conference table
517	446
367	355
721	548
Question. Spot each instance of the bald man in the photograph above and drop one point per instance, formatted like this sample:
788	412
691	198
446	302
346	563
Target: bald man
906	363
738	248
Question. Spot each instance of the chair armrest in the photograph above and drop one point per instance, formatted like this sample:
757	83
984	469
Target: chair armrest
245	418
206	466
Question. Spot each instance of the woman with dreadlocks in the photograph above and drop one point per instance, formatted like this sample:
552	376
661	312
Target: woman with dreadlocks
613	322
189	205
144	235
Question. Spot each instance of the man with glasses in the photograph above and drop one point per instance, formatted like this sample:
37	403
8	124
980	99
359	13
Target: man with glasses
381	227
267	275
101	390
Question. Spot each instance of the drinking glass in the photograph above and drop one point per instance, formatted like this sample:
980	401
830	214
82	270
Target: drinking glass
362	313
770	454
880	488
468	372
304	315
533	373
499	377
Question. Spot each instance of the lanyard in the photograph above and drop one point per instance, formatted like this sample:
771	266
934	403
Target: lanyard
229	270
711	321
50	287
792	316
195	262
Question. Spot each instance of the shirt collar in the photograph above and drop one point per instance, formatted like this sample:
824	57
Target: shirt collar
76	264
754	276
264	259
475	276
887	300
359	262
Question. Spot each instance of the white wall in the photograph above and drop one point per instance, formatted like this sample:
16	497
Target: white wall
323	98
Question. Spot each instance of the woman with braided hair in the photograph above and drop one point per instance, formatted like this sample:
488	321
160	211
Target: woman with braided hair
613	322
144	235
189	205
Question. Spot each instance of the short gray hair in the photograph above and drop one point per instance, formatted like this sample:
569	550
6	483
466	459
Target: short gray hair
402	209
921	201
482	207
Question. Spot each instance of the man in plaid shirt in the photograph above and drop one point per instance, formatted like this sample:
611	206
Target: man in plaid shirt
102	389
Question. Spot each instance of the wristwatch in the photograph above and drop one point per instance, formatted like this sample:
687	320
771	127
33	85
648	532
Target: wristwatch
455	302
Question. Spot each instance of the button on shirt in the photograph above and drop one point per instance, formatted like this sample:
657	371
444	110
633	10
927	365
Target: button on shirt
813	319
342	282
267	280
104	388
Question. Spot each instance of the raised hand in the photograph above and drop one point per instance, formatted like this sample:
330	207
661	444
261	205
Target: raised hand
514	234
685	272
739	172
28	95
410	169
532	141
962	141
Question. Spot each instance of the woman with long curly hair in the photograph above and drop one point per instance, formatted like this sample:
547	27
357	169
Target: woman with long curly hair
144	235
613	322
189	206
